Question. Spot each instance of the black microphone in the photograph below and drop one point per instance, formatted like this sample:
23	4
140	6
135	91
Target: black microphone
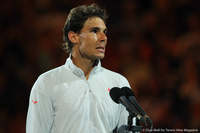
130	95
118	96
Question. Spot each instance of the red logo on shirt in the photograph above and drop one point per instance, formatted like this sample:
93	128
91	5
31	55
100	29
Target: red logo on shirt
34	102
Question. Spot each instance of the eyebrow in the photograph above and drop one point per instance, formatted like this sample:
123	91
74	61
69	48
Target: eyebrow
97	28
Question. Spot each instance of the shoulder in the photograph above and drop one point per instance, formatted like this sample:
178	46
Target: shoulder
115	77
49	74
110	73
48	78
55	73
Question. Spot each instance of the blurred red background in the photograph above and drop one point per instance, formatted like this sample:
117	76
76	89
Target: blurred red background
155	44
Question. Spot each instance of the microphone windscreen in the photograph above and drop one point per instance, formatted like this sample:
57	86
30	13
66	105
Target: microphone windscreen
116	93
128	92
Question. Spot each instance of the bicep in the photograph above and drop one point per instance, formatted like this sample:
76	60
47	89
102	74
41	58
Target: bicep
40	112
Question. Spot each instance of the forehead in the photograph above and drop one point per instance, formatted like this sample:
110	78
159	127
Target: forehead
94	22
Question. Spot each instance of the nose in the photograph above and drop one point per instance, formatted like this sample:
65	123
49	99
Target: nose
103	37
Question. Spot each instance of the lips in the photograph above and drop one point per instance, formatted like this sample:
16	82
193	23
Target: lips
101	48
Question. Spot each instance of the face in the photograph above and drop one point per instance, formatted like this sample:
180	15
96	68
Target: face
92	39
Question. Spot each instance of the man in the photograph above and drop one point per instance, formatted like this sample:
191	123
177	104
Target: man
74	98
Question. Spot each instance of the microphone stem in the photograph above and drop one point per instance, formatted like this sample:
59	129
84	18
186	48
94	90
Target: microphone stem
130	121
138	123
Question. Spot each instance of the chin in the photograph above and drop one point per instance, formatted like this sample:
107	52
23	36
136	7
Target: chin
100	57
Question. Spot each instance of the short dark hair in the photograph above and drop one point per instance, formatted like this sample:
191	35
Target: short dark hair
76	19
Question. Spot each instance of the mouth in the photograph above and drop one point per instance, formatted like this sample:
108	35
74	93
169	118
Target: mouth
101	48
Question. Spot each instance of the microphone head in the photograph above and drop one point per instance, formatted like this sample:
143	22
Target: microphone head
128	92
116	93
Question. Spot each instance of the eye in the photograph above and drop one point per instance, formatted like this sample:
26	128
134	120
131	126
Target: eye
105	31
94	31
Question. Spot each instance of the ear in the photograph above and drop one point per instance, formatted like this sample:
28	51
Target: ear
73	37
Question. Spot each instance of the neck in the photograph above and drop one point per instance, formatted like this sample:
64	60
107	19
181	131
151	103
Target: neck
84	64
